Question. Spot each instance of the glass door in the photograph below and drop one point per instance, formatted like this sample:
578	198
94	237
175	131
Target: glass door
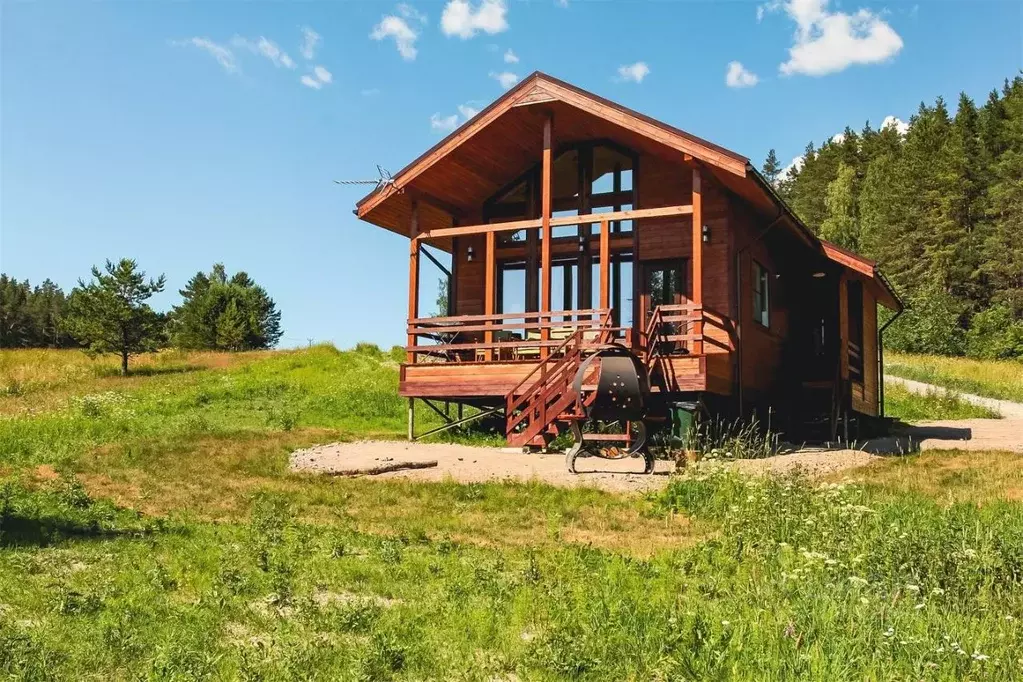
664	283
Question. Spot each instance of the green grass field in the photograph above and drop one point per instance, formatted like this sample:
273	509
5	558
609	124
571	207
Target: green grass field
910	407
1001	379
149	528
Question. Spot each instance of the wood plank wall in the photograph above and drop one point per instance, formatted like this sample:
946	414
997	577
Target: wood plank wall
762	348
865	396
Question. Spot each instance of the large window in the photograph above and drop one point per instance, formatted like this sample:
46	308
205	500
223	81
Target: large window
761	295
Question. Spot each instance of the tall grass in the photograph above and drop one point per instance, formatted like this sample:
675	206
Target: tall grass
933	405
800	582
189	397
1001	379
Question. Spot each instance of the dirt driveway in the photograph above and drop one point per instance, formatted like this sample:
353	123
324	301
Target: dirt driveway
967	434
467	464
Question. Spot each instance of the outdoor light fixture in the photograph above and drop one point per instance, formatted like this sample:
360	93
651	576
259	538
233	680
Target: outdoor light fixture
819	275
706	234
469	253
582	244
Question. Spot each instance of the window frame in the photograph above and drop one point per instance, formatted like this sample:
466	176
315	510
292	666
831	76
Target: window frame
761	295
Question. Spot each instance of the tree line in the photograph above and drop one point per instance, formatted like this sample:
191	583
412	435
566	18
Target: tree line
110	313
939	206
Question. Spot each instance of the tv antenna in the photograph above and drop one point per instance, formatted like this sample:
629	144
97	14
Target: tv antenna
385	179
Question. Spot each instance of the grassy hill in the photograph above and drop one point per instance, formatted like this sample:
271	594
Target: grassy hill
149	528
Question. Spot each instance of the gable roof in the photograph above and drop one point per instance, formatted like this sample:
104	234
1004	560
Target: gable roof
538	88
455	176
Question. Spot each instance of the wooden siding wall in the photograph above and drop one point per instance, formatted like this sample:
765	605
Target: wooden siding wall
865	396
762	348
662	183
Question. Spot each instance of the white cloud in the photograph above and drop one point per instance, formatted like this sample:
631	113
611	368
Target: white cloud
900	126
224	56
739	77
370	92
310	41
444	124
461	19
323	75
838	138
561	3
266	48
405	36
467	111
409	12
827	42
633	72
510	57
318	78
505	78
794	166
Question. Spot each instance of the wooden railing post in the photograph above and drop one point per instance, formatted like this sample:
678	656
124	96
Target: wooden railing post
413	277
491	298
545	225
697	297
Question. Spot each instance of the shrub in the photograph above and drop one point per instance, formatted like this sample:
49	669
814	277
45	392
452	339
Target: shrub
931	323
995	334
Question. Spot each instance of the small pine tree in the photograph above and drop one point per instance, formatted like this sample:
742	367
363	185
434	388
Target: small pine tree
207	299
772	169
231	328
110	314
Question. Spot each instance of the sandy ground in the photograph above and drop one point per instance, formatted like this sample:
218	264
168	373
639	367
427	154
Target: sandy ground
467	464
968	434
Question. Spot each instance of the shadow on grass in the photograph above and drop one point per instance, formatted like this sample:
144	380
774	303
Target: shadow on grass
905	438
149	371
29	531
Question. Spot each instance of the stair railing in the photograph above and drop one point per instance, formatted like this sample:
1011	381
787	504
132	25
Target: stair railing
555	377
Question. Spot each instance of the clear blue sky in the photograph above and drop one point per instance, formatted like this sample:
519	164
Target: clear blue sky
167	132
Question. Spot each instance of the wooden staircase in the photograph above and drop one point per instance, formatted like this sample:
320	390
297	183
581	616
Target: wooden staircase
546	395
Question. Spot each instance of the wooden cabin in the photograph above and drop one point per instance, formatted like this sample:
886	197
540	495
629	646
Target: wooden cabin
572	221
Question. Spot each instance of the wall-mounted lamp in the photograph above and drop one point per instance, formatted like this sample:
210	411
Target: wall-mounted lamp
706	234
819	275
582	244
469	253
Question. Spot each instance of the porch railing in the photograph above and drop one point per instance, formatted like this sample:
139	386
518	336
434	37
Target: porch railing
680	329
505	336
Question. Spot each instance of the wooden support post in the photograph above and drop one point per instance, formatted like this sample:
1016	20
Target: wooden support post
413	278
605	265
616	267
545	224
638	323
532	247
411	418
584	287
697	296
491	297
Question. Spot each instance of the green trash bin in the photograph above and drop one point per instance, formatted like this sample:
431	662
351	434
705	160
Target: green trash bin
683	418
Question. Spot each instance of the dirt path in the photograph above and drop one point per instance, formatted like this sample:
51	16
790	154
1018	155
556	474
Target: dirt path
467	464
472	464
967	434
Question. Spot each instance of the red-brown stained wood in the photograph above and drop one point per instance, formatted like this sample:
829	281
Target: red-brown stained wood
545	217
697	247
491	278
605	264
413	276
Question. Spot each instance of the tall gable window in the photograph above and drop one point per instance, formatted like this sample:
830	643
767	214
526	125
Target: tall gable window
761	295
